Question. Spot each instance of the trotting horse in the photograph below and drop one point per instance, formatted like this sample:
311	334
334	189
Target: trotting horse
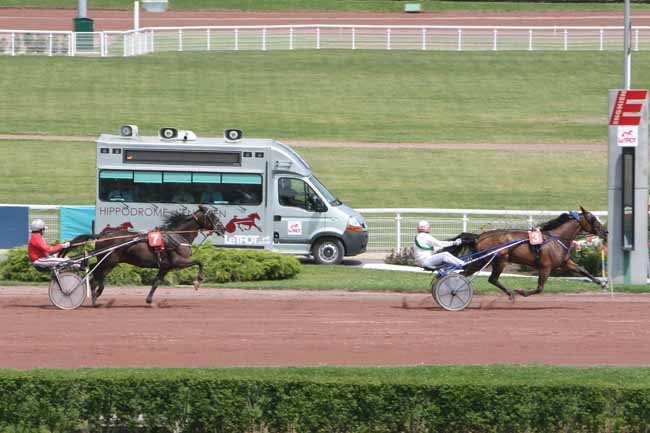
179	231
558	236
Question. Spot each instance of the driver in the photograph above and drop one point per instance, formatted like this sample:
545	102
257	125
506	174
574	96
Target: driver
39	250
427	247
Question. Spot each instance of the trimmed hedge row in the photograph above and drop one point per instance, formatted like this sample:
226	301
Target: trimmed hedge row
207	400
221	266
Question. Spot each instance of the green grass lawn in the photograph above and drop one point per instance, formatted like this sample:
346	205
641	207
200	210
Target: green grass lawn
64	173
332	5
504	375
314	277
350	278
511	97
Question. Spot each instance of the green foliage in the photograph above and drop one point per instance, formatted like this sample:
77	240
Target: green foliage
589	258
324	400
221	266
17	267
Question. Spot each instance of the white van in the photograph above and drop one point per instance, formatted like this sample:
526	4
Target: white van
264	192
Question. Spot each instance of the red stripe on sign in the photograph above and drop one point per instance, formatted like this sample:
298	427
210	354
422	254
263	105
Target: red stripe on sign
625	113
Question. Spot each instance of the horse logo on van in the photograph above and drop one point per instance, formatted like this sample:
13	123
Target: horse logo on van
245	223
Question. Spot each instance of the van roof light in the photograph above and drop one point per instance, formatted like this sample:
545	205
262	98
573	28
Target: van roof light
177	134
233	134
129	131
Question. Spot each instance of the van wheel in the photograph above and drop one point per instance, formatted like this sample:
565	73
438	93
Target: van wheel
328	251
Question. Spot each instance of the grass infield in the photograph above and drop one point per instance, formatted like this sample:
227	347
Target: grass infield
337	5
396	96
502	375
360	177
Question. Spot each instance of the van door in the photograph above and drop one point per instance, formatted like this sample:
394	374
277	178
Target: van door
294	220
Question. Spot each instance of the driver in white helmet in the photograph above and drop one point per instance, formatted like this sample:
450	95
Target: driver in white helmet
427	247
39	250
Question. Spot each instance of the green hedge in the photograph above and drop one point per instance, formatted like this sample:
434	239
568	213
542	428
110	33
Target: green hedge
196	400
221	266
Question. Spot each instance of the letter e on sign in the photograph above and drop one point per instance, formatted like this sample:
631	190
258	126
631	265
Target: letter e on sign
625	112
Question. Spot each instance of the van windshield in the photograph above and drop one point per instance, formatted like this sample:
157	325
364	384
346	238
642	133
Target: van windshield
321	188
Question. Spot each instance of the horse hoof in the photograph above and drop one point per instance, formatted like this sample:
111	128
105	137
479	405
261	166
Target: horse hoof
197	283
149	300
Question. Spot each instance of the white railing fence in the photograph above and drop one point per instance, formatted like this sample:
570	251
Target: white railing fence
320	36
395	228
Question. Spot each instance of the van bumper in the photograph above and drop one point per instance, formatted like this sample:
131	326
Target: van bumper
355	242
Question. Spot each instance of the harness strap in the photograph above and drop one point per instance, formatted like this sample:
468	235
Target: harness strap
417	244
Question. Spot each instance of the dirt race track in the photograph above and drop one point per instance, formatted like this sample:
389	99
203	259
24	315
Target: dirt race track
215	327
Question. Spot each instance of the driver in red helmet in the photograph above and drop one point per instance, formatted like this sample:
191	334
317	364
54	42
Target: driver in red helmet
39	250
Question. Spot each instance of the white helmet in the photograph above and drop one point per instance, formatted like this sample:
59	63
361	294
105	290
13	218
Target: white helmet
423	226
38	225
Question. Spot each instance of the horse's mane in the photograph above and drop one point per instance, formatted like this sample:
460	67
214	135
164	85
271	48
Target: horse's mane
173	220
554	223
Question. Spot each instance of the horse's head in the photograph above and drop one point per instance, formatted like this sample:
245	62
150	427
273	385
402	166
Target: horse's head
208	220
590	223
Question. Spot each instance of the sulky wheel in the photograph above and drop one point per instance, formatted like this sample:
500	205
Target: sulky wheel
453	292
70	294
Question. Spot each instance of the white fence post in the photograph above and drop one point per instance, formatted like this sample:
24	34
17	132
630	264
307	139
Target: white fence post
531	222
459	43
318	38
153	41
388	38
398	223
602	39
207	36
465	222
636	40
424	39
494	39
180	39
566	39
124	49
264	39
73	44
291	38
530	40
49	44
13	44
354	38
236	39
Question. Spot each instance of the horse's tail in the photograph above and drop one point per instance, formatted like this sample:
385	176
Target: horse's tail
468	245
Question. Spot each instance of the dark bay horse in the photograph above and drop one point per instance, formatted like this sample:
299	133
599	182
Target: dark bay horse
558	235
178	231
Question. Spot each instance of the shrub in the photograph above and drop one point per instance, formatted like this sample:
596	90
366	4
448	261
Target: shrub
221	266
589	258
17	267
404	256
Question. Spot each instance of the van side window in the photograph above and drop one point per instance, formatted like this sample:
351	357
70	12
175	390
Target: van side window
295	193
180	187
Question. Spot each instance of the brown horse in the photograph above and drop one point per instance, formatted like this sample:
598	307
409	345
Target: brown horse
558	235
178	231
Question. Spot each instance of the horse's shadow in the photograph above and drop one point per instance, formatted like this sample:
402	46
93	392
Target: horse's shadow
110	304
493	304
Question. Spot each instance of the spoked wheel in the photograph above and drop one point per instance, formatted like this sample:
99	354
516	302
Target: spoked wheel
453	292
70	294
